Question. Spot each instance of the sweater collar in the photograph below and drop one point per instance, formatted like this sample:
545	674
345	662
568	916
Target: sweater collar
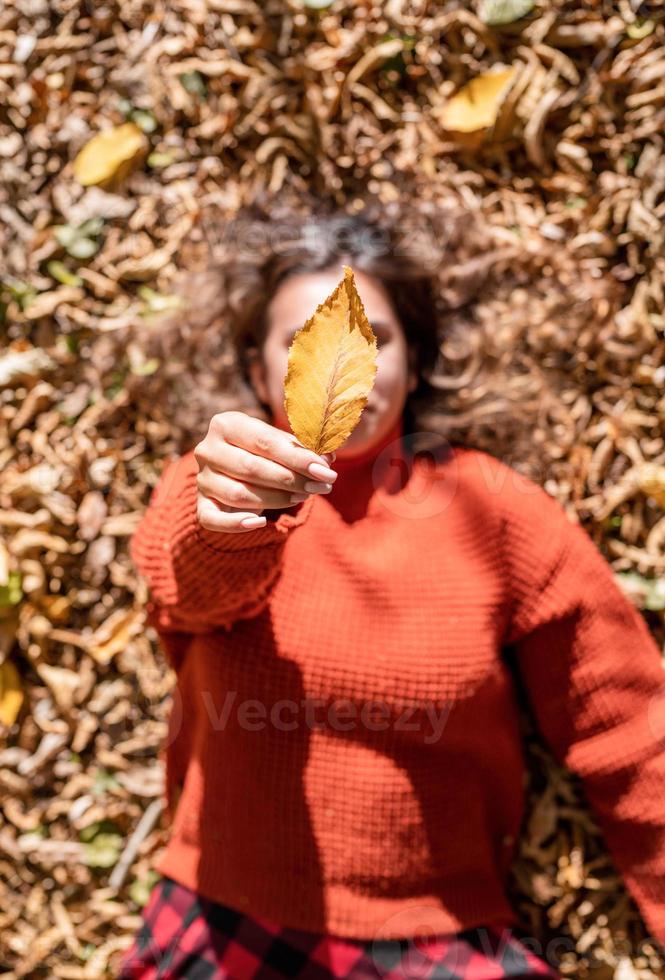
383	467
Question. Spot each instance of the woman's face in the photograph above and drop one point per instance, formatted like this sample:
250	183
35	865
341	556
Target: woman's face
292	305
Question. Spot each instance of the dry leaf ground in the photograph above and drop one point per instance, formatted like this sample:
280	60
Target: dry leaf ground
556	208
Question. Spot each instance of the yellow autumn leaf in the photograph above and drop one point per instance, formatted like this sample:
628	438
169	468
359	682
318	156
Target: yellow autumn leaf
11	695
110	154
114	634
476	105
331	370
650	479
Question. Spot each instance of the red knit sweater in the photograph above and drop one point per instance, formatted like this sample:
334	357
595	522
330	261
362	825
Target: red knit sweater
344	729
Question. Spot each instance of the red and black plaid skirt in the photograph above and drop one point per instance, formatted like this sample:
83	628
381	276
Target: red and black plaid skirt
186	935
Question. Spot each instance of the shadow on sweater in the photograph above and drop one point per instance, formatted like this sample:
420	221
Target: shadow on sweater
260	797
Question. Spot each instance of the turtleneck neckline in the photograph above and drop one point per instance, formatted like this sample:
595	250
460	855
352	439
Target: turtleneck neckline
360	476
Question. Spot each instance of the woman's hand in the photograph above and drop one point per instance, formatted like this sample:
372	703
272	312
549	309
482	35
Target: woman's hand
247	465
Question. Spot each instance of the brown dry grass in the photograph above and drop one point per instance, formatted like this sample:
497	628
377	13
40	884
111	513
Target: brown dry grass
236	99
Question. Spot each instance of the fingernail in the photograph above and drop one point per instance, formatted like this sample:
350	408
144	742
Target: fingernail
253	521
322	472
312	487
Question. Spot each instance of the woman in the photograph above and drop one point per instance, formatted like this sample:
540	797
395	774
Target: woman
344	770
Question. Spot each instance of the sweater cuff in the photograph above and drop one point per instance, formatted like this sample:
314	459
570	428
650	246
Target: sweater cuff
275	531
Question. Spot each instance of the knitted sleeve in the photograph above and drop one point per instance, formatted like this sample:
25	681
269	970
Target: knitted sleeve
594	676
199	579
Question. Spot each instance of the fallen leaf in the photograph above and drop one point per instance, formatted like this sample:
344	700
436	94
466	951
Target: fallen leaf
476	105
30	363
495	12
110	154
331	370
62	682
98	205
79	242
114	634
11	694
103	850
640	29
651	480
62	274
45	304
10	591
91	514
140	888
644	592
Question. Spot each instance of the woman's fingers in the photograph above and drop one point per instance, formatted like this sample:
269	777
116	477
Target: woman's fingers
243	495
239	464
217	517
247	466
264	442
